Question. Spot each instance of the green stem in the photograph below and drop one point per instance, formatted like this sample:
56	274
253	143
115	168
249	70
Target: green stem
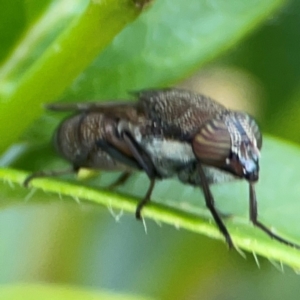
244	235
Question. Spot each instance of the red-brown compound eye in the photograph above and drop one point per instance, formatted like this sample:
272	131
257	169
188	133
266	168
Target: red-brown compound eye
212	144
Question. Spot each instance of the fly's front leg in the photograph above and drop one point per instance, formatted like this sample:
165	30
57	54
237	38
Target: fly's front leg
257	223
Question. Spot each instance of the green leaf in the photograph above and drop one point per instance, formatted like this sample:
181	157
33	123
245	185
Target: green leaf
158	49
167	43
55	68
146	54
285	121
277	192
58	292
203	31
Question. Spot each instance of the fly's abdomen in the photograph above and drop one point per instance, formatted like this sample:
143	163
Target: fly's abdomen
76	140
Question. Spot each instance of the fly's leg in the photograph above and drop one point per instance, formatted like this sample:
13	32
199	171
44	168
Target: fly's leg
41	174
139	160
120	180
112	151
146	164
209	200
141	157
145	200
254	220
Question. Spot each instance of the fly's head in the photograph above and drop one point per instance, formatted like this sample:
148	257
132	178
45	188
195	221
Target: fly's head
231	142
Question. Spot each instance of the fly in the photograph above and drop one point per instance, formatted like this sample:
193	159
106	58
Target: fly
166	133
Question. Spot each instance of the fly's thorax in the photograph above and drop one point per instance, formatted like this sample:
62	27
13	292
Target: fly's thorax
231	142
168	155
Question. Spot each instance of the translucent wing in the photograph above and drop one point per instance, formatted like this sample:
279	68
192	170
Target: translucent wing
89	106
115	110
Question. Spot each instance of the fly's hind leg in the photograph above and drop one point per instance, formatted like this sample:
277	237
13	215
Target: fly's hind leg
139	160
42	174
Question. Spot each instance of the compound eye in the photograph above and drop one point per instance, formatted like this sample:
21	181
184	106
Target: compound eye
212	144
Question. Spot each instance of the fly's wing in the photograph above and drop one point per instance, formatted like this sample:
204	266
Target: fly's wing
116	110
176	112
88	106
179	113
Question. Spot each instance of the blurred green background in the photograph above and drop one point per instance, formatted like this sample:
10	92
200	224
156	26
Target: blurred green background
245	55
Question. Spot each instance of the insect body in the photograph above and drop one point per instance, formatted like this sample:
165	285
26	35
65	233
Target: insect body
77	136
202	133
186	127
167	133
